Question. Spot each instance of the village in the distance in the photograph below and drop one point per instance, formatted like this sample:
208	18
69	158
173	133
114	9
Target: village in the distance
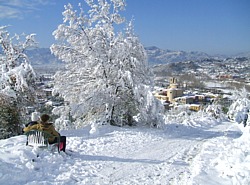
189	79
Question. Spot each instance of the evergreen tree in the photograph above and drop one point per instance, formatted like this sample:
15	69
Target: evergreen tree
107	76
9	117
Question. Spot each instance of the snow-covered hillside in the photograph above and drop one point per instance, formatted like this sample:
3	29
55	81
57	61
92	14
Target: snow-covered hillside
203	151
160	56
42	56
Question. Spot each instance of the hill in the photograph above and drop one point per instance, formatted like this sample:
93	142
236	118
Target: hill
42	56
160	56
198	151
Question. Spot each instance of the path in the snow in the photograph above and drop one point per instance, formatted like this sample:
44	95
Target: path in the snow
155	163
138	156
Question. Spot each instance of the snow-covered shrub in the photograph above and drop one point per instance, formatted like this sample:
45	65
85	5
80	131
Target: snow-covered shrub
215	110
205	117
178	114
9	117
62	121
152	110
239	110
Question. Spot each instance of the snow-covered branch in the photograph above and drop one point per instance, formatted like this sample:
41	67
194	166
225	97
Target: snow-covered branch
107	77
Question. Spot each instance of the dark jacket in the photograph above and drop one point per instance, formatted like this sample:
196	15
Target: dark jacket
31	123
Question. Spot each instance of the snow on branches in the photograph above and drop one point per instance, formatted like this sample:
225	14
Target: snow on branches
16	78
16	73
107	77
239	111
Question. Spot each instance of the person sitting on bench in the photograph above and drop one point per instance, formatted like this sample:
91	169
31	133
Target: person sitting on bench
44	125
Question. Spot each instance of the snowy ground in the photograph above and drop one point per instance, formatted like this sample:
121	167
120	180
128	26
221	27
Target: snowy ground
204	153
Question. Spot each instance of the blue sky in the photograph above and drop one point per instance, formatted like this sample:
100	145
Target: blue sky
211	26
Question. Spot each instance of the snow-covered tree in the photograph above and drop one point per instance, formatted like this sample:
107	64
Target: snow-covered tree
16	74
240	108
107	76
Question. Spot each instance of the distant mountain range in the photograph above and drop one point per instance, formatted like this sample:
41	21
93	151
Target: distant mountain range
43	56
160	56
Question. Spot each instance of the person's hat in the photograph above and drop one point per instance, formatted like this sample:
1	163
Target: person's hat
35	116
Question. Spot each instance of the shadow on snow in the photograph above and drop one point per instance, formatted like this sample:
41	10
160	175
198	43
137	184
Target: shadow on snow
197	133
115	159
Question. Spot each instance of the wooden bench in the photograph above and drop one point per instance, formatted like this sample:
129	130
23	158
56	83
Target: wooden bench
40	139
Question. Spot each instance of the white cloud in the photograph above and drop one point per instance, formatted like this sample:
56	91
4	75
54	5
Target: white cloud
7	12
18	8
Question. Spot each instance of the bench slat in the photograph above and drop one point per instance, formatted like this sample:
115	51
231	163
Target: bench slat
38	138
